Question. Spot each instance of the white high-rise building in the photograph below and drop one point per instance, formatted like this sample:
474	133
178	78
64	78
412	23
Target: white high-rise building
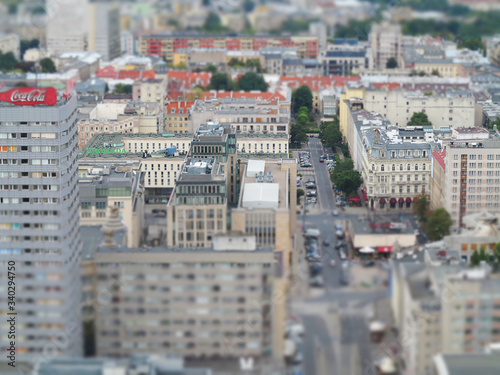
86	25
39	228
67	25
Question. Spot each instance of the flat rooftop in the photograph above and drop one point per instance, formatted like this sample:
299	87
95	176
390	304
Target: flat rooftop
381	225
201	169
467	363
272	175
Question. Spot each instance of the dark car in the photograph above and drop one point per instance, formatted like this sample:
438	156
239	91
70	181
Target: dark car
370	263
340	244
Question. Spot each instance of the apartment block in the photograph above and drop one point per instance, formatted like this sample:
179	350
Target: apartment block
466	173
386	42
343	62
167	44
103	187
39	227
191	302
178	117
444	109
197	209
394	171
246	115
258	144
442	306
150	90
104	29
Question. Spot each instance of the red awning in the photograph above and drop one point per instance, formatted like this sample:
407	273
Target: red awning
354	200
382	200
385	249
408	200
393	200
401	200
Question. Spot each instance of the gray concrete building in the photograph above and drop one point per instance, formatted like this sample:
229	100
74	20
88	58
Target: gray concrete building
39	227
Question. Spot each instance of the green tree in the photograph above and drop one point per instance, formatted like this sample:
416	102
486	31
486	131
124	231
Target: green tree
343	165
439	224
221	81
47	65
248	6
300	193
419	118
478	256
473	44
252	81
421	207
7	61
27	44
120	88
302	97
298	134
211	68
213	23
392	63
295	26
235	63
348	181
435	72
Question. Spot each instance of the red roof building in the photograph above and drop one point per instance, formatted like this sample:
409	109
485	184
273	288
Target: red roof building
440	157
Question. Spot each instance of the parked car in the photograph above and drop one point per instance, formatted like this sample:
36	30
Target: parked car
313	200
370	263
340	244
344	276
316	281
342	255
335	213
311	193
326	243
340	235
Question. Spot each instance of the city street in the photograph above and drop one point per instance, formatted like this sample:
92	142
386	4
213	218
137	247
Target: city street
335	319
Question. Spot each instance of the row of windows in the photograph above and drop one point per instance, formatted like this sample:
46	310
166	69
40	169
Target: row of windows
393	167
30	187
28	213
479	189
479	197
29	200
478	173
28	174
479	157
47	226
472	181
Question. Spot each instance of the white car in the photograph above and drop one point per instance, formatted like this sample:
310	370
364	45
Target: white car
335	213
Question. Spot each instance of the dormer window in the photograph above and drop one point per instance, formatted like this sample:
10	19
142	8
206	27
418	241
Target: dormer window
173	110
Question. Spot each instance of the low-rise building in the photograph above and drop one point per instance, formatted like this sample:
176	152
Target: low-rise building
10	43
178	117
150	90
246	115
102	187
197	209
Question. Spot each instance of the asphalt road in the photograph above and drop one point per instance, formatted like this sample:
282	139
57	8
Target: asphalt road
321	347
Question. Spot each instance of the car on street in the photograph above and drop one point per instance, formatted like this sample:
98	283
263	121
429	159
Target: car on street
316	281
342	255
340	244
313	200
311	193
306	165
326	243
417	232
339	234
344	276
333	263
335	213
370	263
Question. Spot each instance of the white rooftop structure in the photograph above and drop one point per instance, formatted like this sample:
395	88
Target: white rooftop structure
255	167
261	195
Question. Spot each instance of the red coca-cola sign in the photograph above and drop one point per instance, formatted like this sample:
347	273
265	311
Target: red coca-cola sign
30	96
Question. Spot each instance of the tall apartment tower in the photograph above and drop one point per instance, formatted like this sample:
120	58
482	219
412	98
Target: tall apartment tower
104	29
39	223
67	25
386	41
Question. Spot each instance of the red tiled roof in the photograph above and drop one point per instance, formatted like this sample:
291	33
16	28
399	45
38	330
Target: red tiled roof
178	105
440	157
107	72
183	79
265	95
136	74
390	86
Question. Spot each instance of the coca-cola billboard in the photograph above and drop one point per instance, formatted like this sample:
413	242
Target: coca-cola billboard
30	96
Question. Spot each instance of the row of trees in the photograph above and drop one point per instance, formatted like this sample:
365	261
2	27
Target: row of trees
345	177
299	129
248	82
9	63
250	63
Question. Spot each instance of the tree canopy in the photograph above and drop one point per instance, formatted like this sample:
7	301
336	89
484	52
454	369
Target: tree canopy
439	224
7	61
302	97
122	89
213	23
419	118
392	63
252	81
330	134
482	255
345	177
421	207
47	65
221	81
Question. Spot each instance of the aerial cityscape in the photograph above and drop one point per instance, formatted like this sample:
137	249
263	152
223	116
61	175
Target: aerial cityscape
250	187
